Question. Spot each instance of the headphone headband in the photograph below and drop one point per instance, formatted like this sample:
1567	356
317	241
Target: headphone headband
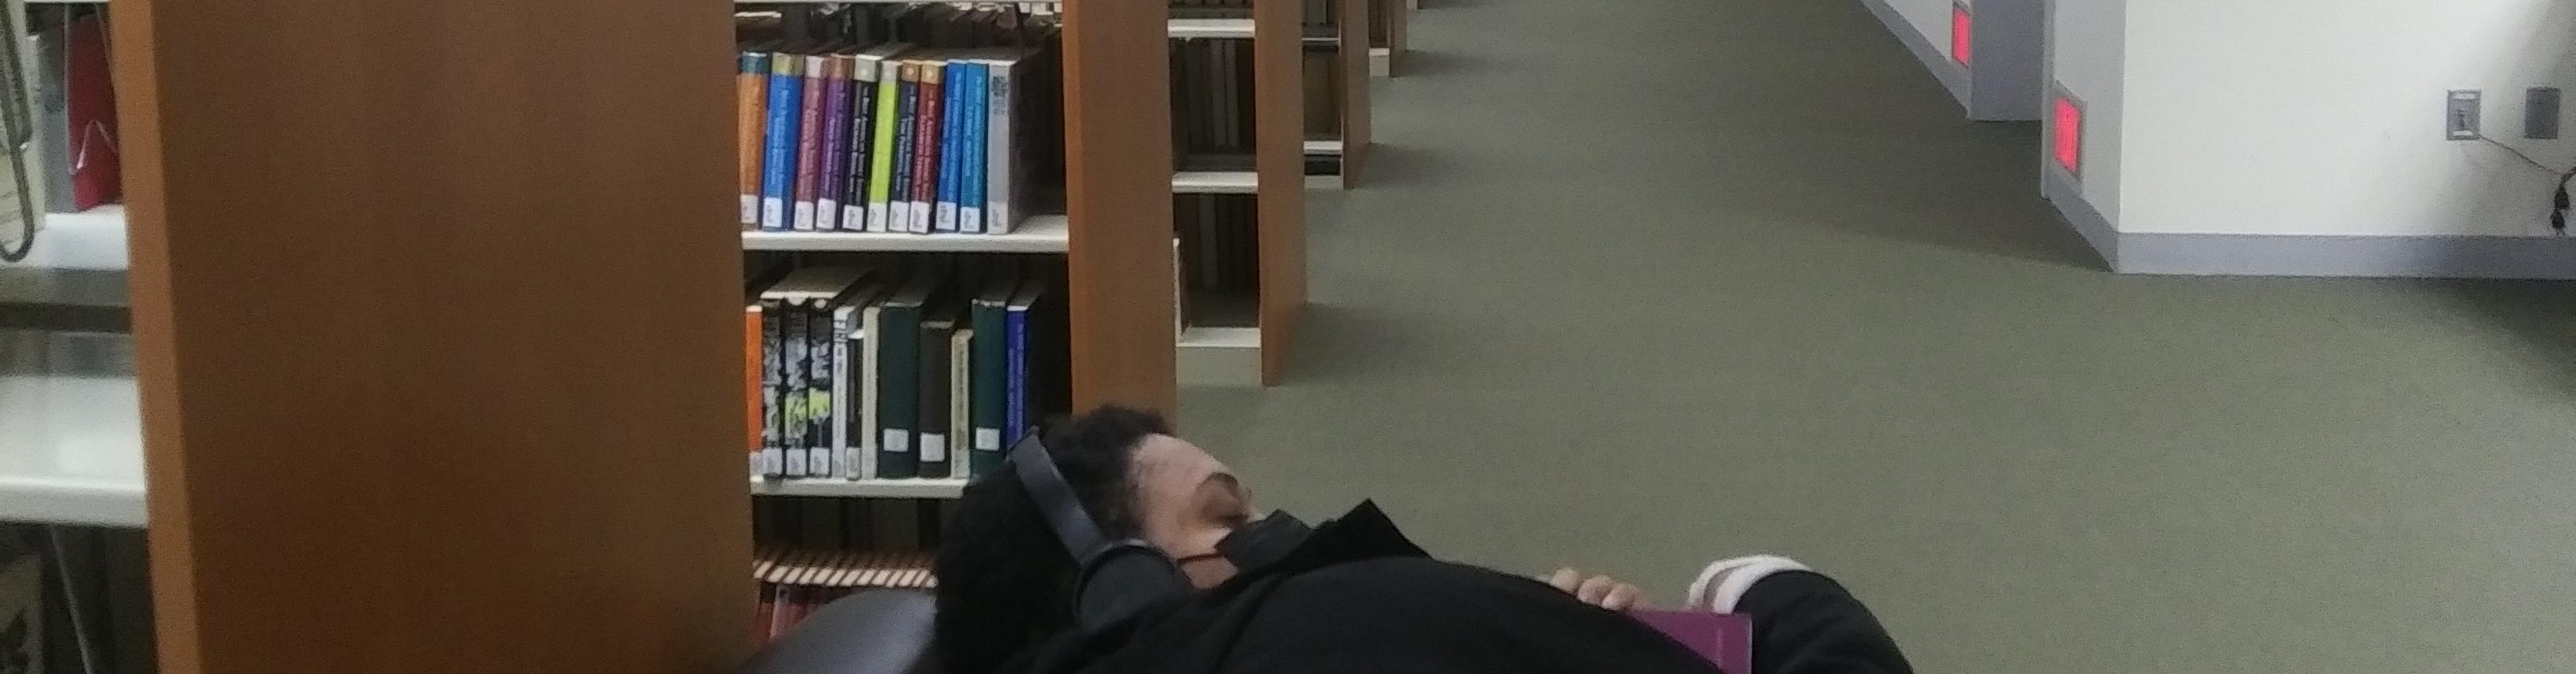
1073	526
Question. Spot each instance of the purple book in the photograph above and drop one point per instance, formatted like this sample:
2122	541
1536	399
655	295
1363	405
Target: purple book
1723	638
836	145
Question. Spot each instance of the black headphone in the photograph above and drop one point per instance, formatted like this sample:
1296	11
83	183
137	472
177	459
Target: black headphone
1118	579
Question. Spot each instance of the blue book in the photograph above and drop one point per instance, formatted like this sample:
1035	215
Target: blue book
778	158
970	186
951	127
1015	327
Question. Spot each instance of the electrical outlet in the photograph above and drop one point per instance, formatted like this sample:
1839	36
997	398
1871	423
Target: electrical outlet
2540	113
2460	119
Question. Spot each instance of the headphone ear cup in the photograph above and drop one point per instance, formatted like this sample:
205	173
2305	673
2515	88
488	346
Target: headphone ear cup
1123	580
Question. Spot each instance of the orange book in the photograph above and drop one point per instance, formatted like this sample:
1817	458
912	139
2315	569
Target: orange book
751	109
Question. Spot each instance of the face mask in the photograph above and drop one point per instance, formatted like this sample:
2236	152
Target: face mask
1258	544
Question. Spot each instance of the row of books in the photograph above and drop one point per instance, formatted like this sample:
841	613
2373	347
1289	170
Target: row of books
793	583
872	372
1212	97
849	132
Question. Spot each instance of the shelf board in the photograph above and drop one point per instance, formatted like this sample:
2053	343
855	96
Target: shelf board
1239	29
1331	148
1216	182
74	450
1220	356
1038	234
948	488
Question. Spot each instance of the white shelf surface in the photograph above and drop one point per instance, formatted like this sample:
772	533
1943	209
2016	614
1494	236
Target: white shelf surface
1219	356
1037	234
1240	29
947	488
71	450
1324	147
1216	182
92	239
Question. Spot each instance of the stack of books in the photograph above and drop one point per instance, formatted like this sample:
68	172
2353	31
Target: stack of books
794	583
899	369
930	120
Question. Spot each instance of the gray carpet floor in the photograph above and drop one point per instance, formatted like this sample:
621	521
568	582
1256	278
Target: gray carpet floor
1636	288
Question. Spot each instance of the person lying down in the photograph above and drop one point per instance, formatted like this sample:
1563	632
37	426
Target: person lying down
1107	545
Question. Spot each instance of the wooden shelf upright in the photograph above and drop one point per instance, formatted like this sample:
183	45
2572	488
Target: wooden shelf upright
1245	355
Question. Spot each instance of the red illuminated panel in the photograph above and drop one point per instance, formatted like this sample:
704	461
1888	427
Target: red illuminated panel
1963	34
2066	140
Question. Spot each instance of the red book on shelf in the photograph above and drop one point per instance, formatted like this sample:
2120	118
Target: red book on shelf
925	156
91	110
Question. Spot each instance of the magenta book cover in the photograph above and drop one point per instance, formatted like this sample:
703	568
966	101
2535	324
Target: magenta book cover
1723	638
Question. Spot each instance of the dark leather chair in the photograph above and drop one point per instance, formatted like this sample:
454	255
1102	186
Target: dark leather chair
871	632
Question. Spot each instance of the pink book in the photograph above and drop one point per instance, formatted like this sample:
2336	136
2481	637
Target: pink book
1723	638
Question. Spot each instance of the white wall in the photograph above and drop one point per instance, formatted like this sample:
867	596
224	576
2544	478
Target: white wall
2086	46
2318	116
1930	19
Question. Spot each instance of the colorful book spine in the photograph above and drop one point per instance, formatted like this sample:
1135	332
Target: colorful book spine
809	140
991	356
863	99
1015	357
778	159
1001	156
952	125
791	392
881	155
836	143
906	129
821	340
751	99
925	149
970	183
773	389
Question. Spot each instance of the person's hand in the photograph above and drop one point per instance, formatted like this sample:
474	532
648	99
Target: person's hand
1602	591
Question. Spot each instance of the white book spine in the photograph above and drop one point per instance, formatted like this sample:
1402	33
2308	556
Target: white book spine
839	422
1000	144
867	440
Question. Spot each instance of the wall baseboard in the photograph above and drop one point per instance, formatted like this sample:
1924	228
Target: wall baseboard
1951	75
2185	254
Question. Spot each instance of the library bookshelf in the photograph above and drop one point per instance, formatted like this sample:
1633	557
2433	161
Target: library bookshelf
1255	354
498	343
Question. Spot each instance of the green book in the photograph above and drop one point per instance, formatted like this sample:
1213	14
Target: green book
991	355
930	433
898	400
881	158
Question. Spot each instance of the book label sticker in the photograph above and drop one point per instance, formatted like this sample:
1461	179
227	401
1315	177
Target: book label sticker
934	447
750	210
822	464
796	461
896	440
988	439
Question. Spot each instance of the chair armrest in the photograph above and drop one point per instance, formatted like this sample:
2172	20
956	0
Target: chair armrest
871	632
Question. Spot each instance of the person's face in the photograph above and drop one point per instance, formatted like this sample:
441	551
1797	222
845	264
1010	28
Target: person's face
1186	502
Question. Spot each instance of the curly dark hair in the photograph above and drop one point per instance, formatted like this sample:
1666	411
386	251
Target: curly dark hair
1005	582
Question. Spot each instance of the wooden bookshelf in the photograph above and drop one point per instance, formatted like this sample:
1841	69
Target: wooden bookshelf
1348	39
1243	355
414	397
388	281
1387	41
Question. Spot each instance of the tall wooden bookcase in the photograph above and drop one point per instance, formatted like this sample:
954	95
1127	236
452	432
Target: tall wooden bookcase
437	321
1257	354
